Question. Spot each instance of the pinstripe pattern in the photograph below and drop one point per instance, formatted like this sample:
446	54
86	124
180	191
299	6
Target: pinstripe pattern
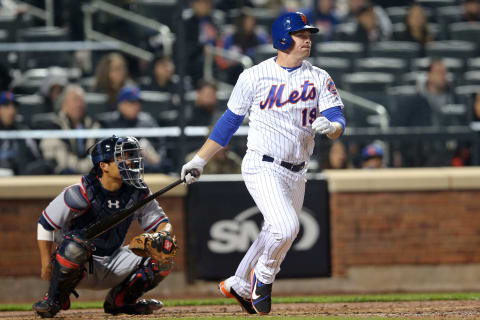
282	106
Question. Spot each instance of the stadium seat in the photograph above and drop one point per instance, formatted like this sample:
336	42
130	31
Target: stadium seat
367	81
263	52
341	49
96	103
473	63
407	107
160	106
454	65
472	77
43	59
396	14
413	77
264	17
336	67
8	25
29	105
465	95
395	49
164	11
467	31
450	48
436	4
448	15
393	66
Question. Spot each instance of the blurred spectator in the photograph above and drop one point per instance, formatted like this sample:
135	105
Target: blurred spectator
417	29
11	8
435	88
203	110
224	161
162	77
372	156
52	86
227	5
111	76
326	17
476	107
368	29
200	30
337	156
5	78
71	155
17	156
462	156
243	40
373	23
471	10
129	114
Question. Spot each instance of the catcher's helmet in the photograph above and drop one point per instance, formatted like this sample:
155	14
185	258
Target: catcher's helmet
283	27
127	154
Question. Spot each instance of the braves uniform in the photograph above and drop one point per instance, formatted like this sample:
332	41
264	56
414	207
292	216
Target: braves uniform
101	262
111	261
282	105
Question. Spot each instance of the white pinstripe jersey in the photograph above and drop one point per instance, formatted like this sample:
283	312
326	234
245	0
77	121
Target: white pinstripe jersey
282	107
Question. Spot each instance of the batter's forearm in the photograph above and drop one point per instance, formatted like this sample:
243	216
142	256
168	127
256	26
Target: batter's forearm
208	150
337	133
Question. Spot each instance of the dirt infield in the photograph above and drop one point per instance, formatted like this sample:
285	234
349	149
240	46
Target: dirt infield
400	310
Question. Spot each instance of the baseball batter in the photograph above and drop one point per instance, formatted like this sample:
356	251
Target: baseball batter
115	182
288	100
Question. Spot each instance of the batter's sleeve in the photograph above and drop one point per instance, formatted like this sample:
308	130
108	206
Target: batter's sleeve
242	95
151	215
328	95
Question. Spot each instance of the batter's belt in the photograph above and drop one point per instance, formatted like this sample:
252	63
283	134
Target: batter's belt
288	165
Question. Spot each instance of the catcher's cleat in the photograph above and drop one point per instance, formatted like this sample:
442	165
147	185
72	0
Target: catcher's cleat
143	306
261	295
229	292
46	308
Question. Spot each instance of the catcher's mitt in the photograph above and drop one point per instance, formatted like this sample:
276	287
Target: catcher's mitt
160	246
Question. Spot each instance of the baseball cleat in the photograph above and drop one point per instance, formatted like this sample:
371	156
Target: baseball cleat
261	295
228	292
144	306
46	308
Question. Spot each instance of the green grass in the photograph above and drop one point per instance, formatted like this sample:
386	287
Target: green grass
300	299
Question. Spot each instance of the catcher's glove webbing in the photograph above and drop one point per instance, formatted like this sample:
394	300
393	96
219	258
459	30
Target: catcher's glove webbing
159	245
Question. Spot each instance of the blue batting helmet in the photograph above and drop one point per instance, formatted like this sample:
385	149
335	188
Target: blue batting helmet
283	27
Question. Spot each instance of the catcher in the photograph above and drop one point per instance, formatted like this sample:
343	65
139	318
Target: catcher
68	261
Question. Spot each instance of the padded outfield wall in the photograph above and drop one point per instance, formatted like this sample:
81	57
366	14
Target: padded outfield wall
390	229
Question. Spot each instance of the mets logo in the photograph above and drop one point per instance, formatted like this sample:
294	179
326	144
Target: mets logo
331	87
274	98
304	18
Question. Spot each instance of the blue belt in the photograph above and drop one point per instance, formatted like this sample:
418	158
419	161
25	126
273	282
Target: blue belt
288	165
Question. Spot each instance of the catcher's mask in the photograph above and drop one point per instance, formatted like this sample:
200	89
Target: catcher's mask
127	155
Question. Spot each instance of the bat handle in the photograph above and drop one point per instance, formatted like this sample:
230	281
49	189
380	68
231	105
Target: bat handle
194	172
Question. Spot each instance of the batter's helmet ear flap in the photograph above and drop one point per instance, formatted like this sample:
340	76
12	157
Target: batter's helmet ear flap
283	27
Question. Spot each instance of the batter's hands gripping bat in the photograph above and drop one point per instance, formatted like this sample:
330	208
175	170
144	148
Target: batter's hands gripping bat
94	230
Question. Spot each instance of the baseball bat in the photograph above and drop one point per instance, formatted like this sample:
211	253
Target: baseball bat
99	227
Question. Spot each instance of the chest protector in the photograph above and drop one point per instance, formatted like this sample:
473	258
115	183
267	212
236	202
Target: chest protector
104	203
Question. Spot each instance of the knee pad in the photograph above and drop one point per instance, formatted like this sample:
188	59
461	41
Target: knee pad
71	255
67	270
